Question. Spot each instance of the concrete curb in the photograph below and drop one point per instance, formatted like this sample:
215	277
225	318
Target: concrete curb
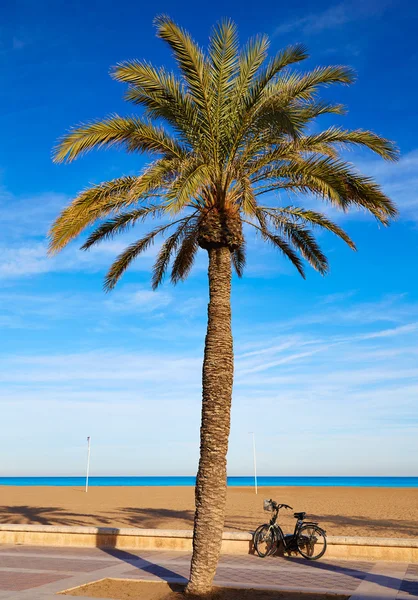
234	542
124	531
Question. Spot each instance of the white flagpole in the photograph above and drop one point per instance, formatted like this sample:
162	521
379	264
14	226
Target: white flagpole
88	464
255	463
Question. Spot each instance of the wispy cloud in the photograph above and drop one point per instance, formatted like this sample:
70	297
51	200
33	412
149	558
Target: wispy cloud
23	246
337	297
26	217
351	388
333	17
32	259
142	300
391	308
400	182
18	44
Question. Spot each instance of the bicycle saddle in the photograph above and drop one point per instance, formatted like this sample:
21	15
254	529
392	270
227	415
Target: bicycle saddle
300	515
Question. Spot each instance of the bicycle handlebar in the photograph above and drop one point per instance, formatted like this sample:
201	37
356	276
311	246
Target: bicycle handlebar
279	506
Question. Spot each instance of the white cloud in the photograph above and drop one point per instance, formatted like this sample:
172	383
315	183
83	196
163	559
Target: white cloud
35	213
399	181
316	22
141	300
32	259
98	376
404	329
337	297
333	17
349	388
23	260
18	44
23	246
393	308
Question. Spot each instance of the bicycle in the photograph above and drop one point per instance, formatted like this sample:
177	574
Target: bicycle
306	538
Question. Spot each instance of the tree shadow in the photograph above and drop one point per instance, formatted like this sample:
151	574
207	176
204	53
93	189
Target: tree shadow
152	518
373	526
340	525
392	583
142	564
242	523
44	515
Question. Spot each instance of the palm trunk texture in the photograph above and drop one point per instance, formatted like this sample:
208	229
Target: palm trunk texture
218	374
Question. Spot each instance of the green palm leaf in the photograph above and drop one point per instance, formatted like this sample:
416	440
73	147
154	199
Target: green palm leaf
239	260
282	245
131	132
225	128
119	224
185	256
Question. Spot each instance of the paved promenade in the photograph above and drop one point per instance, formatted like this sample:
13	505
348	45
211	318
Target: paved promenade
38	573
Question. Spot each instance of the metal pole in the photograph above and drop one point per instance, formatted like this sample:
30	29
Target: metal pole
88	464
255	464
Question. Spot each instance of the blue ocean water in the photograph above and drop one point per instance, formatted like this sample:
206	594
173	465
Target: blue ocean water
392	482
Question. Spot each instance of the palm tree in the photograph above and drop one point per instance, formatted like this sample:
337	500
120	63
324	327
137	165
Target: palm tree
225	132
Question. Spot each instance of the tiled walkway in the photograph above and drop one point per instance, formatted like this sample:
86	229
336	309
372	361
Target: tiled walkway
38	573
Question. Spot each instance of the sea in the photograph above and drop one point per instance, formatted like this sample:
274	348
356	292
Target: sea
383	482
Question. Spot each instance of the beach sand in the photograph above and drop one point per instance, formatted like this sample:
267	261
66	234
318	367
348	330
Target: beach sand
383	512
146	590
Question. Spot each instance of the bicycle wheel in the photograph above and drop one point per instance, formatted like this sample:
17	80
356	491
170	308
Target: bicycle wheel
311	542
264	540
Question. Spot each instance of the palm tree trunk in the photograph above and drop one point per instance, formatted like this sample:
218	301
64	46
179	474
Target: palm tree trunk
218	374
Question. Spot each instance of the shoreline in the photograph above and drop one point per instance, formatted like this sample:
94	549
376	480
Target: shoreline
235	482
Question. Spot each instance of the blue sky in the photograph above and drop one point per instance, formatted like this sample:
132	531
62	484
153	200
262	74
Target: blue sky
326	369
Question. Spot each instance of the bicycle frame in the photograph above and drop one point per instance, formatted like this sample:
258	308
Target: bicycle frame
302	541
289	539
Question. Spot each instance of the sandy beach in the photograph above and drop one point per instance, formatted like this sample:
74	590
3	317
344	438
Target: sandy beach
383	512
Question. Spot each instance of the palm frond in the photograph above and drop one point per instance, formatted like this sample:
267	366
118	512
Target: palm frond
132	252
308	111
124	259
121	223
238	260
285	58
247	202
337	136
254	96
162	95
190	181
195	70
282	245
315	219
185	256
223	54
296	86
166	252
332	180
90	205
302	239
115	131
250	60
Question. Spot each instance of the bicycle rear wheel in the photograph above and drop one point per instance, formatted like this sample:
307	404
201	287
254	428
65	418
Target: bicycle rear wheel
311	542
264	540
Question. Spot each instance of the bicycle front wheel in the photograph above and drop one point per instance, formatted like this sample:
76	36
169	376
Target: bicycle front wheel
264	540
311	542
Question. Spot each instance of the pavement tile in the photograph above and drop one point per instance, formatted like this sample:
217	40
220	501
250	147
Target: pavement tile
409	587
53	564
16	582
412	570
52	551
82	565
